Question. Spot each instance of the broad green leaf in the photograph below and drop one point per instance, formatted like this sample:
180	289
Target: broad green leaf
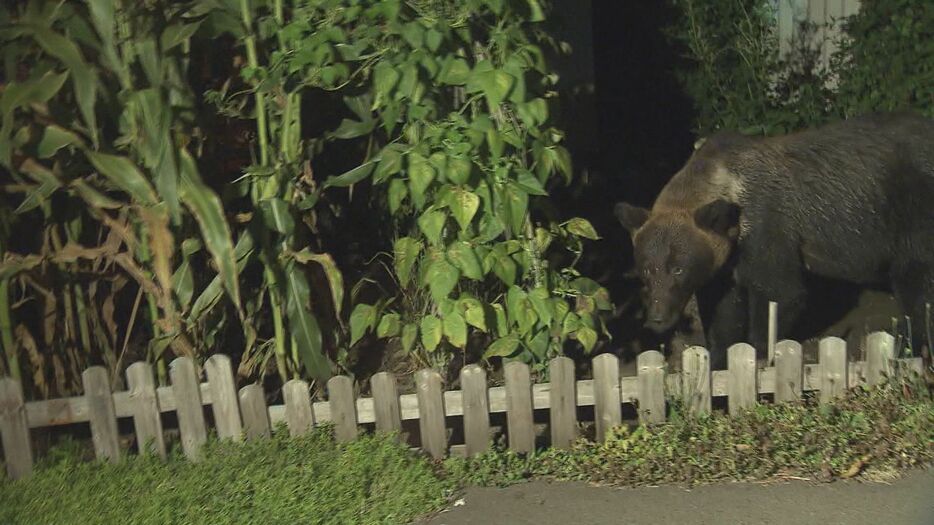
502	265
125	175
349	129
351	177
518	201
474	313
55	138
494	83
539	345
587	337
82	74
408	83
462	255
183	283
502	347
362	319
560	308
409	334
397	193
571	324
390	162
539	298
389	326
276	216
433	39
432	224
582	228
455	71
333	274
303	327
405	253
421	174
529	183
176	34
431	332
495	140
441	278
385	78
413	33
459	169
537	13
209	213
455	329
520	309
502	323
534	112
543	239
464	205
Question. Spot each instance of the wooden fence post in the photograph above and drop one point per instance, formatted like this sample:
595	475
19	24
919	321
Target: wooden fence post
343	408
742	391
696	380
101	413
833	368
188	406
298	413
608	411
386	409
431	424
147	418
224	397
789	371
476	409
650	368
563	402
519	408
880	352
14	429
255	414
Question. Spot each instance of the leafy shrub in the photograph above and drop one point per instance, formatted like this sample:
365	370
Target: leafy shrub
282	480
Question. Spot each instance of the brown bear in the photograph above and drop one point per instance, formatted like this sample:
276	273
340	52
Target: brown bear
852	200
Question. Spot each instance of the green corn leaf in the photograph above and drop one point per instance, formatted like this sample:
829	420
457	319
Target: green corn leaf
306	334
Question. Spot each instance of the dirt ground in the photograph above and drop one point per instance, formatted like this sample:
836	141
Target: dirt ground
907	501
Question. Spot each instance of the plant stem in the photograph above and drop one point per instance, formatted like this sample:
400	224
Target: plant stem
6	330
253	61
275	301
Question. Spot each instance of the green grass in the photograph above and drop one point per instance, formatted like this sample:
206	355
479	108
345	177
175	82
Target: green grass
281	480
877	431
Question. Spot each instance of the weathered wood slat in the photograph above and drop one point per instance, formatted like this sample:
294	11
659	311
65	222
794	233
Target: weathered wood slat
298	414
386	409
343	408
519	415
880	352
833	368
563	400
146	415
191	425
741	362
695	380
608	409
101	413
431	423
256	423
14	430
650	368
224	397
476	409
789	371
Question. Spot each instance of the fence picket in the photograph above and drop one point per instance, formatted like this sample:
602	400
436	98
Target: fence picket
608	410
563	400
476	409
650	368
386	409
343	407
880	352
434	435
833	368
696	380
519	411
14	429
789	371
255	414
188	406
741	363
224	397
101	413
147	419
298	413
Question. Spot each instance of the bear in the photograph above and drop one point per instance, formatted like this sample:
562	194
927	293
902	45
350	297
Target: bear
852	200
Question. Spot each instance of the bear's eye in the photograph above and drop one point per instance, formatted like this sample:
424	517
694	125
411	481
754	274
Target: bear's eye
677	270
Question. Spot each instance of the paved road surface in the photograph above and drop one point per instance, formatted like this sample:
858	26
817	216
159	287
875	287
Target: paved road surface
907	501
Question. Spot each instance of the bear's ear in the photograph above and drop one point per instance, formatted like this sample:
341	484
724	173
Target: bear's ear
719	216
631	217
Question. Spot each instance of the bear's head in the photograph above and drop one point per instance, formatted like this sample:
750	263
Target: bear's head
676	252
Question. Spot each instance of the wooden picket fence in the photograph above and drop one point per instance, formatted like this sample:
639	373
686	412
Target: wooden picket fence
244	414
